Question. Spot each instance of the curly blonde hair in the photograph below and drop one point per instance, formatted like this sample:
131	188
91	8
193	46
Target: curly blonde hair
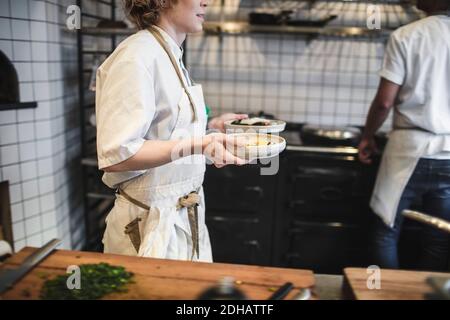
145	13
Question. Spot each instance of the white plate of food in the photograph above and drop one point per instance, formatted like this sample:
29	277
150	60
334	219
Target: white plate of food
259	145
254	125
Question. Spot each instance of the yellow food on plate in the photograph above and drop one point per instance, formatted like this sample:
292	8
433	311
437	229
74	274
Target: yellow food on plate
258	142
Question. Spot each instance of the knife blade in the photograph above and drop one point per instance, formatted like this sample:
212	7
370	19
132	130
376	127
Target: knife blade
9	277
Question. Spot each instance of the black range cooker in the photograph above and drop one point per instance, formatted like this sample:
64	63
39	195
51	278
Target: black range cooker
323	207
314	213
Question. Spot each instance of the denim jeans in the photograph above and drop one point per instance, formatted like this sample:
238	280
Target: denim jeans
431	183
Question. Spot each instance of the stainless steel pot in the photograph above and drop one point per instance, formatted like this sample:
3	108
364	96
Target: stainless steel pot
330	135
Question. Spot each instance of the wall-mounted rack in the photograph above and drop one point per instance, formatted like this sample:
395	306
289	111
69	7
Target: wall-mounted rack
18	105
98	199
236	28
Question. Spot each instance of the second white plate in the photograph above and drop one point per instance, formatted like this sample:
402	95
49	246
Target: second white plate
274	127
260	145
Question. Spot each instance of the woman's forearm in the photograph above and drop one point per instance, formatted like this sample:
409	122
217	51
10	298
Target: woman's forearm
155	153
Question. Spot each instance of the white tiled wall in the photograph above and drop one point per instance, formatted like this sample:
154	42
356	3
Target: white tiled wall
320	80
38	154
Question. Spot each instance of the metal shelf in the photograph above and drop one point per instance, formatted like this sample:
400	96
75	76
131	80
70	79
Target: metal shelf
18	105
94	31
236	28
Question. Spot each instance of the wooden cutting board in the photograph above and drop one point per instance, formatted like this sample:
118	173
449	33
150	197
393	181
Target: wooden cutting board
157	278
395	284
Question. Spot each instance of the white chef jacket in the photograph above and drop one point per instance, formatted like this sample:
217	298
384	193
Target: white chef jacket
126	105
417	58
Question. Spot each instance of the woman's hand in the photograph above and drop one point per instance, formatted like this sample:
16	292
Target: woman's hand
220	149
218	122
367	148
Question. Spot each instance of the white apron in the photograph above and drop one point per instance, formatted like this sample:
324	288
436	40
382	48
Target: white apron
161	227
401	155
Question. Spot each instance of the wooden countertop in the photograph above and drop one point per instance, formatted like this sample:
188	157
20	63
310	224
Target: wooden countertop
157	278
395	284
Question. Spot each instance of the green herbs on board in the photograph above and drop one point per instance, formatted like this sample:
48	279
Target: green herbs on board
97	281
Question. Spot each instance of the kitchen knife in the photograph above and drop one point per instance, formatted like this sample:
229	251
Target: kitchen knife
10	276
282	292
424	218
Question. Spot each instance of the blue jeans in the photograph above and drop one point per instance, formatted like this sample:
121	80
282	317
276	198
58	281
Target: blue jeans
431	183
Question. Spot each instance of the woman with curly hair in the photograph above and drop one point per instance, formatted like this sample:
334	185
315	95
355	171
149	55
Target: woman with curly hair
151	136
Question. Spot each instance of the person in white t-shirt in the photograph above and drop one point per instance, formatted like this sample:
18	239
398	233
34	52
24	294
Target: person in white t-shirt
415	82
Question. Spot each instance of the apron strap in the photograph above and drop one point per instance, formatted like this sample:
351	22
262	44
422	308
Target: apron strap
166	48
191	202
132	200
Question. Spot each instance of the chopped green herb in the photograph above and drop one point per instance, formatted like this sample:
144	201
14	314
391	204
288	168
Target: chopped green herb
97	280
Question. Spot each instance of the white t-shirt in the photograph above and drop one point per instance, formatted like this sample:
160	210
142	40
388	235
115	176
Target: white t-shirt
418	58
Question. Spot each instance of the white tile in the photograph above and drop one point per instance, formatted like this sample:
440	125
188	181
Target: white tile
40	71
66	241
38	31
11	173
20	30
19	245
8	134
9	116
42	90
25	115
39	51
16	212
343	121
48	202
37	10
23	71
52	13
45	167
49	219
4	8
18	230
46	185
49	235
9	155
27	151
43	110
44	148
43	130
26	131
6	47
34	240
22	51
5	29
26	92
53	33
19	9
15	193
30	189
31	207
